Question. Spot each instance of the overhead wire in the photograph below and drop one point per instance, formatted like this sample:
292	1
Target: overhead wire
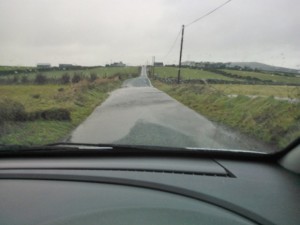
173	45
194	21
205	15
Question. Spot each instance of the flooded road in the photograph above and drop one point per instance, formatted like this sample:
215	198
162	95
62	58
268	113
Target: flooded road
140	114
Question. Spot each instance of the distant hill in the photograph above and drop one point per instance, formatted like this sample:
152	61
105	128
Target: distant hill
262	66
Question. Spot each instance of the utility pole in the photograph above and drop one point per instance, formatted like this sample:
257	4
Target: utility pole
179	66
153	59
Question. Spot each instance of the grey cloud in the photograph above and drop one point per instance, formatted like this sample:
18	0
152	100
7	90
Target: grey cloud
92	32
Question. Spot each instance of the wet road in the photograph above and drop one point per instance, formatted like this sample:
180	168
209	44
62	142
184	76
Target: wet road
140	114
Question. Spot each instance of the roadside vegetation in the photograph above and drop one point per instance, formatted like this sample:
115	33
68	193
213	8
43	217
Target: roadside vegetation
224	76
20	75
266	76
45	107
272	121
281	91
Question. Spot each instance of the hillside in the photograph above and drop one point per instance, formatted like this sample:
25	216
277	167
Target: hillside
262	66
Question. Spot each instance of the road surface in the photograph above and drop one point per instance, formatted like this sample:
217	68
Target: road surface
140	114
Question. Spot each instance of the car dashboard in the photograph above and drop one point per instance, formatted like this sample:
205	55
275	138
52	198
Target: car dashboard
154	189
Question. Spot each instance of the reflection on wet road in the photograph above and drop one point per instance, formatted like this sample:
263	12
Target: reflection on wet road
140	114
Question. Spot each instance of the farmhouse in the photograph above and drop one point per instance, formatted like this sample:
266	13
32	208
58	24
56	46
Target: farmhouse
158	64
43	65
65	66
117	64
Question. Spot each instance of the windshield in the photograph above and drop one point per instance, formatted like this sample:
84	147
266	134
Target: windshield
186	74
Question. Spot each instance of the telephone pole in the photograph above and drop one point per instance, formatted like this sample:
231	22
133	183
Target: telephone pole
179	66
153	59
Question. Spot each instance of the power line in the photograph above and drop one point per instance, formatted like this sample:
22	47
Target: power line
182	33
210	12
173	44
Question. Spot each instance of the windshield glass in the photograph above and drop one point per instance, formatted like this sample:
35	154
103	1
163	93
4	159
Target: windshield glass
190	74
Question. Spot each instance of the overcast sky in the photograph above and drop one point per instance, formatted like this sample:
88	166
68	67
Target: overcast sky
96	32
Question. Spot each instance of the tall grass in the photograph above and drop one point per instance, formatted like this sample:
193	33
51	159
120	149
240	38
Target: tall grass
259	90
265	118
265	76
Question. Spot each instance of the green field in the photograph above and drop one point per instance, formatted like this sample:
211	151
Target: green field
259	90
269	120
79	99
13	68
186	73
265	76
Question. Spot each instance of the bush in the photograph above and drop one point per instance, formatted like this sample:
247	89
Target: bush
77	77
51	114
36	96
11	111
118	76
15	111
93	77
65	79
40	79
24	79
15	79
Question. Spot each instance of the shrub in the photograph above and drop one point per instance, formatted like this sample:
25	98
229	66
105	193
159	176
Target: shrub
77	77
15	79
14	111
93	77
65	79
11	111
117	76
36	96
51	114
40	79
24	79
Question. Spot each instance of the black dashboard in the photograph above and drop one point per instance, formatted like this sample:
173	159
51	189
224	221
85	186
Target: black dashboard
147	190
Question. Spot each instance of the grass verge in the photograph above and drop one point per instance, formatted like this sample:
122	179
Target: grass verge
265	118
259	90
265	76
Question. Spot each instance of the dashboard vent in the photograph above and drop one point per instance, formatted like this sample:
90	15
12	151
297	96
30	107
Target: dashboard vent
192	173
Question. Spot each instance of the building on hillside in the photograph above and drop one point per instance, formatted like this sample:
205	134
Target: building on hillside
158	64
117	64
65	66
188	63
194	64
199	65
43	65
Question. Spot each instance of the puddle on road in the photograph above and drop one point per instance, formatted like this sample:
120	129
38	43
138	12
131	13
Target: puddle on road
152	134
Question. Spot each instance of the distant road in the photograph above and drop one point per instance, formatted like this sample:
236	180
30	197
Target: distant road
140	114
